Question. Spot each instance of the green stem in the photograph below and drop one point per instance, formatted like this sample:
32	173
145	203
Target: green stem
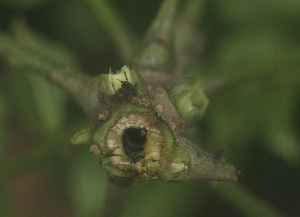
206	166
81	87
162	26
189	41
158	54
191	13
112	23
116	198
247	202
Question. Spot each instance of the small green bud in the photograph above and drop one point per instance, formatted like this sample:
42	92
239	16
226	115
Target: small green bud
189	100
84	136
123	86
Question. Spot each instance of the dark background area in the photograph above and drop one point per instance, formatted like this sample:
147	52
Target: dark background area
256	120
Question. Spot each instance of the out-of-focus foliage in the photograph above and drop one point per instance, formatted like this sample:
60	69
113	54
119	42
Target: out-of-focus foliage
2	126
23	4
255	118
44	104
87	185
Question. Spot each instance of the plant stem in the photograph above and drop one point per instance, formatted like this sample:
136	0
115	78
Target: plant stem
162	26
116	198
112	23
81	87
189	40
205	166
157	54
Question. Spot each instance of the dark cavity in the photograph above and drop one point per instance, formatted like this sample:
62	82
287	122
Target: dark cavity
134	140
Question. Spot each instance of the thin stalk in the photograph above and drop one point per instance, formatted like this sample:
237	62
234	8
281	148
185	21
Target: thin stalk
192	12
114	26
189	40
163	24
116	198
81	87
158	54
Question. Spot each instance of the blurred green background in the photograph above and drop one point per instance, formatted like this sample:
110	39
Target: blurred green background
255	120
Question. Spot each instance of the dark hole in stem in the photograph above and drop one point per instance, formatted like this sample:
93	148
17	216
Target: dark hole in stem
134	140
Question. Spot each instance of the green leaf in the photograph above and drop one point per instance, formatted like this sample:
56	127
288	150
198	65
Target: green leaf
40	103
50	103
